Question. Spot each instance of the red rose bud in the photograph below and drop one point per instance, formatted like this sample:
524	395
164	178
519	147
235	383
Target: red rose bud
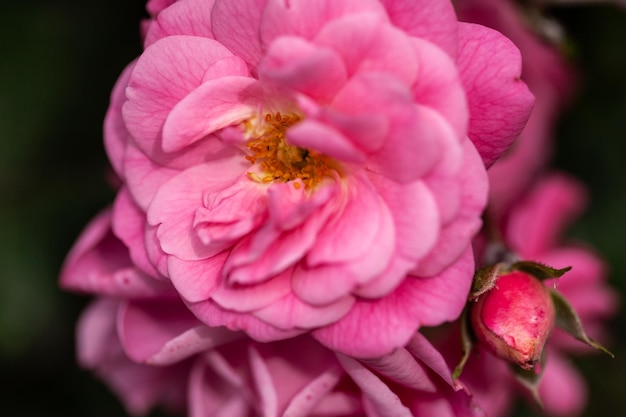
514	318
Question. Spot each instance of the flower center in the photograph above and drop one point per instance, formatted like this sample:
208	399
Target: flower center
279	161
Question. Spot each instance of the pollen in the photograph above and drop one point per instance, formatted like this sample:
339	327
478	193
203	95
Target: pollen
279	161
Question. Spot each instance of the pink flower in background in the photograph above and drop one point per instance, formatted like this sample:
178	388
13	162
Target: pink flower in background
304	166
533	232
293	377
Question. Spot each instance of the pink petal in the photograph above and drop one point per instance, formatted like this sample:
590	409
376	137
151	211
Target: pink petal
442	297
380	397
214	105
416	225
413	130
236	25
196	280
156	255
456	236
293	63
139	387
499	102
211	392
311	134
537	222
290	312
353	114
367	43
143	176
116	135
315	392
421	348
165	73
415	215
375	327
189	17
154	7
320	285
230	214
268	398
213	315
164	332
434	21
562	390
306	18
439	87
128	224
271	250
99	263
246	298
370	329
402	368
174	206
362	225
96	337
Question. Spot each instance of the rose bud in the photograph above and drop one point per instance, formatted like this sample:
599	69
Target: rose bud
514	318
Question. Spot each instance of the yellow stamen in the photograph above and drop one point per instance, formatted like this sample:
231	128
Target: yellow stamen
281	162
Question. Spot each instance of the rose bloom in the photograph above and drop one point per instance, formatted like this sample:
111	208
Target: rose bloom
305	165
533	232
142	341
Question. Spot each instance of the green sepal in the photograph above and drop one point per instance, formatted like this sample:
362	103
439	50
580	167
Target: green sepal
467	343
485	279
539	271
530	379
568	320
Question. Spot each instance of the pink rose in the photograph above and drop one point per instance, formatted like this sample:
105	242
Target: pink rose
304	166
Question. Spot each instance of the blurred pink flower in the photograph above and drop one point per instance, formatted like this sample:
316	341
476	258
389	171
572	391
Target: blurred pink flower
549	78
303	166
240	377
533	231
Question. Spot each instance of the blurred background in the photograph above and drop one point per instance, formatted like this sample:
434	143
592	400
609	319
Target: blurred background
58	63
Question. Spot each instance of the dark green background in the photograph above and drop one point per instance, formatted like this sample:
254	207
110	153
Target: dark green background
58	63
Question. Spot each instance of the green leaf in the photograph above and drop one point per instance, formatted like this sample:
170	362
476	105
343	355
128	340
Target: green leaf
539	271
467	343
485	279
568	320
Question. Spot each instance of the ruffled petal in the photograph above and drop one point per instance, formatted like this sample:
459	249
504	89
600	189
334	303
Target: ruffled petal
304	67
165	73
189	17
306	18
174	206
434	21
164	332
99	263
499	102
236	24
